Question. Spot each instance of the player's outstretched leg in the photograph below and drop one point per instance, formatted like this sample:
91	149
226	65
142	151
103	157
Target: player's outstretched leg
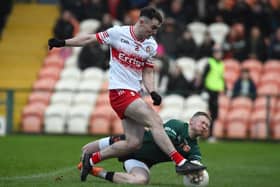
86	166
97	171
189	167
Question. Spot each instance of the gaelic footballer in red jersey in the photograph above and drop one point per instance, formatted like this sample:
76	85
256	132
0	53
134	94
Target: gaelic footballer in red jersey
132	48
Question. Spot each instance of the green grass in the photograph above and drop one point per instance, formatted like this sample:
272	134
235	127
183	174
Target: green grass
29	160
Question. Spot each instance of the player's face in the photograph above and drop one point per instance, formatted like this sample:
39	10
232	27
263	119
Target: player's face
200	125
149	27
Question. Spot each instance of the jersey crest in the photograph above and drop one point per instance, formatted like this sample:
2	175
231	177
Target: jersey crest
185	147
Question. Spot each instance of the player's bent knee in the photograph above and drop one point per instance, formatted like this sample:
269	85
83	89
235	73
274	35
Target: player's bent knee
84	148
144	181
138	179
141	180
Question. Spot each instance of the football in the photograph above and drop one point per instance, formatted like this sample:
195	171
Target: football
204	182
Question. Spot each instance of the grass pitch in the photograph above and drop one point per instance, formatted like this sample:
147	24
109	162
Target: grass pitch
32	160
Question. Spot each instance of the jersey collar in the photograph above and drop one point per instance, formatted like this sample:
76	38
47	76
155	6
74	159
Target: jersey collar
132	33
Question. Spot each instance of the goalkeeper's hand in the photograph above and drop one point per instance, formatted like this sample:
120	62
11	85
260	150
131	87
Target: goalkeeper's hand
53	42
196	177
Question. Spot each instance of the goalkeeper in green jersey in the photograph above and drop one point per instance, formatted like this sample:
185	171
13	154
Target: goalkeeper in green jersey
137	164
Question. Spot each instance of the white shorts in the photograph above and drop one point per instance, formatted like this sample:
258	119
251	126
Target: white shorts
132	163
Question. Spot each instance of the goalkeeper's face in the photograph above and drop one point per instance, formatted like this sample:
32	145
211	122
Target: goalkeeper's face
200	125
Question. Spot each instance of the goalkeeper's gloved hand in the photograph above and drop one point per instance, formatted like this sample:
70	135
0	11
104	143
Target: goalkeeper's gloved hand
196	177
53	42
156	98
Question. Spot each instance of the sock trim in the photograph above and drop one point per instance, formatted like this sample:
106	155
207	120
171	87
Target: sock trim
176	157
109	176
96	157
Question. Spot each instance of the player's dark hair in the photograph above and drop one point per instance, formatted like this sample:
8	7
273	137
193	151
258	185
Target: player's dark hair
203	114
151	13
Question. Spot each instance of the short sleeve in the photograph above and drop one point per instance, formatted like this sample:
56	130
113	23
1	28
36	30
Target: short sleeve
106	37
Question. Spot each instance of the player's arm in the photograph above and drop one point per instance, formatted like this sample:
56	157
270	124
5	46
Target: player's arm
148	81
197	177
195	153
79	40
195	157
175	130
173	136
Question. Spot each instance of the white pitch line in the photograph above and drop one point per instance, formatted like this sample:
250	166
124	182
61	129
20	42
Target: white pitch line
39	175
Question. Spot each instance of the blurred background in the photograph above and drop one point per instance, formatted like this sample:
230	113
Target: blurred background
64	91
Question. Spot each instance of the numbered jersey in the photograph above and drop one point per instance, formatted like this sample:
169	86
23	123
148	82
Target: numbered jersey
129	56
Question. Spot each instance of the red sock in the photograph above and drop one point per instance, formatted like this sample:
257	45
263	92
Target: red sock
176	157
96	157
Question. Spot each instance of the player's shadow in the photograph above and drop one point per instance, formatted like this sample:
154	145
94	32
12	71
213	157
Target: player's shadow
165	184
150	184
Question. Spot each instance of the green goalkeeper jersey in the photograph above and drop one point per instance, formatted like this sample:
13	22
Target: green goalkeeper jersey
178	133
